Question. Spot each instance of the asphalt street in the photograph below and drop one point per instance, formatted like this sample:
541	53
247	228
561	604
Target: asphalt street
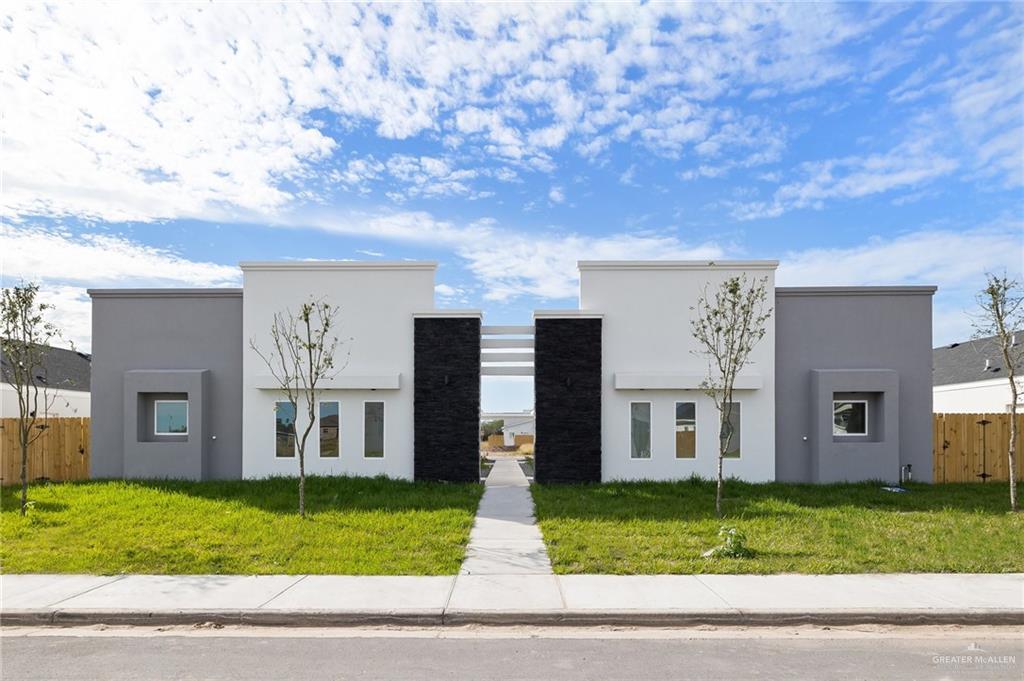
521	653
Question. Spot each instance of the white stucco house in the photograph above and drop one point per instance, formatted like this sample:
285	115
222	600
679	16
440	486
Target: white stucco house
65	375
970	378
839	388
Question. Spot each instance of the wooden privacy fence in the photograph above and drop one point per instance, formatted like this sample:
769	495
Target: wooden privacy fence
964	448
60	453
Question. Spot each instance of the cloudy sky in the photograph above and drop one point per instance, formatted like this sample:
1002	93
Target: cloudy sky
151	145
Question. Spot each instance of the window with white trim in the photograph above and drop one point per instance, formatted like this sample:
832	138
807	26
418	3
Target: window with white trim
849	417
330	430
170	417
373	430
639	430
733	427
284	430
686	430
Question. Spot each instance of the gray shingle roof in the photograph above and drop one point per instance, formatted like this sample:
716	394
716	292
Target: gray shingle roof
63	369
965	362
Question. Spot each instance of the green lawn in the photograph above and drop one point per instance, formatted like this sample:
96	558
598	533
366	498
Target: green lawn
353	526
649	528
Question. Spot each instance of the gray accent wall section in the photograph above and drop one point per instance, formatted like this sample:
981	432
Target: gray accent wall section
860	341
446	390
567	400
148	343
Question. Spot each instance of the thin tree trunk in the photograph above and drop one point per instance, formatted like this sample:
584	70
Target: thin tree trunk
302	486
1012	454
718	492
24	475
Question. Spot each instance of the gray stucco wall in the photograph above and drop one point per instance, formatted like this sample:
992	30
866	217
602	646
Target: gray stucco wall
167	341
874	340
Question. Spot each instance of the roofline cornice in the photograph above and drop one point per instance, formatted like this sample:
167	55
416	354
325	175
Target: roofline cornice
796	291
332	265
164	292
677	264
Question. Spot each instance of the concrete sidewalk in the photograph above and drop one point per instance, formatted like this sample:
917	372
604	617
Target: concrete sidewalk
541	599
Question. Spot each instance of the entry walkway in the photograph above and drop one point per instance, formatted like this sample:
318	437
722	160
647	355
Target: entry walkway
505	539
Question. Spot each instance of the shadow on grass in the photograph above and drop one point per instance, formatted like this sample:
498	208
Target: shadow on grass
281	494
694	499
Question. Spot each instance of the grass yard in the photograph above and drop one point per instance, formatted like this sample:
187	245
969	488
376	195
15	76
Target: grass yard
353	526
649	528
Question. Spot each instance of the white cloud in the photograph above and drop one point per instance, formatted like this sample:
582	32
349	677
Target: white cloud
908	165
545	266
954	260
628	178
529	264
226	110
556	195
445	290
65	265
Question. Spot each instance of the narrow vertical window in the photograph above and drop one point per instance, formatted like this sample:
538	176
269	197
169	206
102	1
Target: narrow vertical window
330	425
640	430
732	427
373	430
284	417
686	430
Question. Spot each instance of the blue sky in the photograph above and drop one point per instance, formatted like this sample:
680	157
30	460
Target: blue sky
858	144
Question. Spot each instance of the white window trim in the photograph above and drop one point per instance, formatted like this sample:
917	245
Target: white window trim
319	417
156	405
867	426
696	426
718	433
629	430
295	449
384	406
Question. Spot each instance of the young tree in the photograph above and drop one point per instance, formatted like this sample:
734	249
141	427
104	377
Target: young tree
1002	316
728	326
25	336
300	357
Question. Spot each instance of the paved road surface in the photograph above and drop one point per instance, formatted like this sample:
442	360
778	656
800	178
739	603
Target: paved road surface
480	655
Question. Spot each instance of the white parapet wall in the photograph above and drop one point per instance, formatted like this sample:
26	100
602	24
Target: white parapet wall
649	356
991	396
62	403
377	301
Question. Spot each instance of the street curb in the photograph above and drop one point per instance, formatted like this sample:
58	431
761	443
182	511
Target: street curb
556	618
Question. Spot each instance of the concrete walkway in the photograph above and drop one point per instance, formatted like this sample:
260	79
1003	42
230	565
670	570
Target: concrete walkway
505	539
661	600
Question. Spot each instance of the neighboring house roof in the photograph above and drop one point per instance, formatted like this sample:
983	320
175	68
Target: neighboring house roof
965	362
329	421
62	369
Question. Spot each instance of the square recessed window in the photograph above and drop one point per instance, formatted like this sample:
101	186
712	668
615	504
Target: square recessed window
849	417
170	417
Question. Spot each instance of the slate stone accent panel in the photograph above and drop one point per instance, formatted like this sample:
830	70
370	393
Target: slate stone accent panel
567	400
447	399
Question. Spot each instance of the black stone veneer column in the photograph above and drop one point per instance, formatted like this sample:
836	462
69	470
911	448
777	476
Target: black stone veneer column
446	397
567	399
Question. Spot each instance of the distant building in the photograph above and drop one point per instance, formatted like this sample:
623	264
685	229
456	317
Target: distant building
970	378
515	423
65	374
